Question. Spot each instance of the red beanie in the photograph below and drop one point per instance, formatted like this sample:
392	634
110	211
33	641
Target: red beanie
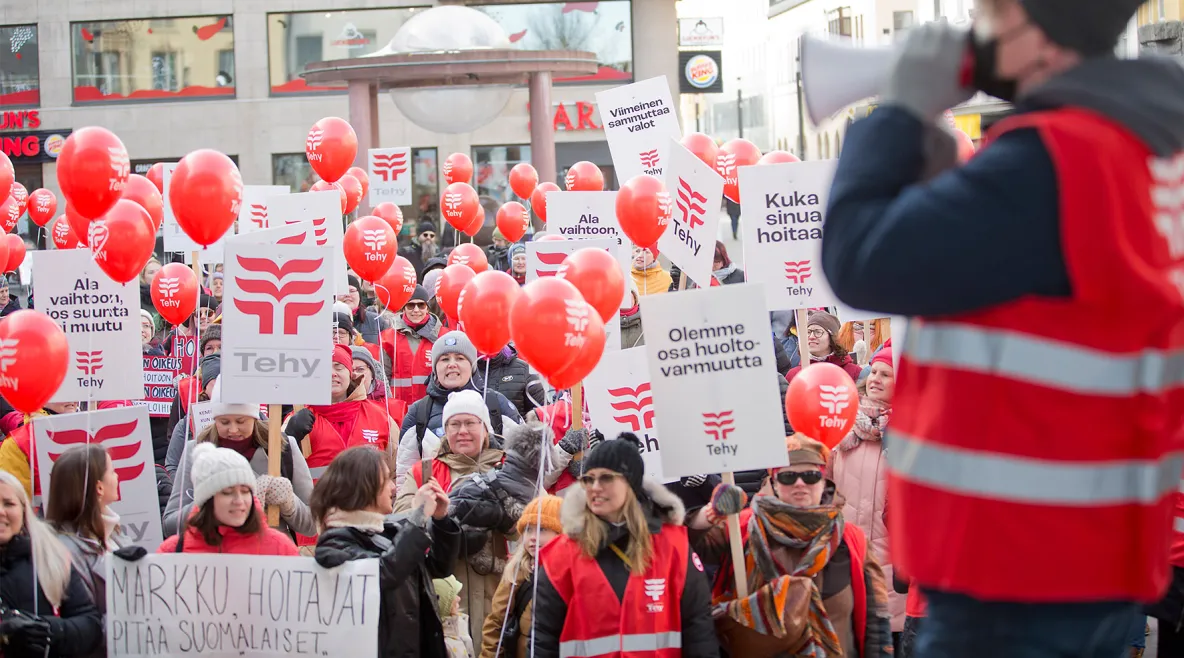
343	355
883	356
653	249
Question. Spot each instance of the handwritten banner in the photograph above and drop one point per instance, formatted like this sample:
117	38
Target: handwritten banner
160	384
177	604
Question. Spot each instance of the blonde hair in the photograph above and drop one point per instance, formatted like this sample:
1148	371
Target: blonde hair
51	558
641	544
521	559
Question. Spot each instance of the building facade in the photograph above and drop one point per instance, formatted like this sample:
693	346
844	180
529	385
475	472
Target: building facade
172	76
1160	28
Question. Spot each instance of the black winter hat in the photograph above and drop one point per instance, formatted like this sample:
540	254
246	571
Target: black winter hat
426	226
620	455
1090	27
212	332
354	281
343	321
421	294
209	368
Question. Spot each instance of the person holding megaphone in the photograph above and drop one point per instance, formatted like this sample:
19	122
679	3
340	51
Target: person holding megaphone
1035	439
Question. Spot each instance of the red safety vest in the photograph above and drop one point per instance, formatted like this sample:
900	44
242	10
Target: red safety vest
409	381
372	428
1084	398
1176	555
441	472
647	622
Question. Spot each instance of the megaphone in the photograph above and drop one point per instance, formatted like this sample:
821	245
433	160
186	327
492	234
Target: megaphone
836	74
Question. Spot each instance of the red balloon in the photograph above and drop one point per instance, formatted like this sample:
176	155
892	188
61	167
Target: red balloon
584	176
548	324
777	157
703	147
79	225
92	169
370	247
10	213
4	249
331	147
966	147
523	179
587	356
598	277
471	255
461	206
43	205
643	209
353	193
156	175
391	213
21	195
36	357
142	191
362	177
16	251
734	154
397	285
458	168
484	307
205	193
7	175
63	236
452	280
512	220
552	237
122	241
822	403
326	186
174	293
538	199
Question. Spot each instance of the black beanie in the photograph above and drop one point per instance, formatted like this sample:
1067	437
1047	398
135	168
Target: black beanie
209	367
1090	27
212	332
620	455
421	294
343	321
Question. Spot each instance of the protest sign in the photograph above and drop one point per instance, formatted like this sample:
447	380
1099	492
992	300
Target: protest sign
185	348
714	379
202	414
390	175
254	214
296	233
160	384
588	215
127	437
323	209
618	396
640	119
184	604
544	259
689	240
101	319
276	324
783	206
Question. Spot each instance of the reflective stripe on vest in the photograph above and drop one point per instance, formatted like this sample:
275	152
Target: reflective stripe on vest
610	644
1032	481
317	472
418	379
1044	361
1178	524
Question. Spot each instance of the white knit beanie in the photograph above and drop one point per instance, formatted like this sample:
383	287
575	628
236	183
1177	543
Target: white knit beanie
467	401
228	409
216	468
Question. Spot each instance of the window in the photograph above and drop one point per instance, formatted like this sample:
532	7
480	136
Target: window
838	21
296	39
20	83
153	59
1163	14
902	20
492	165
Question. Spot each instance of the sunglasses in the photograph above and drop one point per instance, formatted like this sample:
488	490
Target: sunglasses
415	305
789	478
603	480
429	236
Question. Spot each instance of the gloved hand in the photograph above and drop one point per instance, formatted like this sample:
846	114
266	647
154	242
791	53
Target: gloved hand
594	439
279	492
573	441
925	78
726	499
27	632
692	481
262	484
131	553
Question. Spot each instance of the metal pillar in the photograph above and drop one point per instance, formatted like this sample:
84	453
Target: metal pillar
542	131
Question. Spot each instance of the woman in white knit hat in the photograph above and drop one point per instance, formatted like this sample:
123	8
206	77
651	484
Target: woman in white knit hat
239	428
225	517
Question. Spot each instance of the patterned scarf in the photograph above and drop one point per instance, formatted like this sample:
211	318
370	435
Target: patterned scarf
870	423
817	532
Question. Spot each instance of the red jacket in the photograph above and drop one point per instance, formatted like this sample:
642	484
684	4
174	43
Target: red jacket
268	542
1176	556
409	377
558	416
648	619
371	427
1087	399
441	472
849	366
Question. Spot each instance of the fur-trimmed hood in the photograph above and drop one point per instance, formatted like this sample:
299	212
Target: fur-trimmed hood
525	443
666	506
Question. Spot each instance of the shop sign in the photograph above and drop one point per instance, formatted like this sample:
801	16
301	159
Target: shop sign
702	72
572	117
20	119
700	32
33	147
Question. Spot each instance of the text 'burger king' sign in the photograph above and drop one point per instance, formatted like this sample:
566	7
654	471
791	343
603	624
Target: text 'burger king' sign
702	72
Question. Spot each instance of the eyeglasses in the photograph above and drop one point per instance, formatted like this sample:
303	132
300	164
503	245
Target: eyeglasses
430	236
816	333
603	480
789	478
470	425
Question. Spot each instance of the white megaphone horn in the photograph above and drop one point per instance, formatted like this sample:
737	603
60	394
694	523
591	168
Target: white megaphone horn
836	74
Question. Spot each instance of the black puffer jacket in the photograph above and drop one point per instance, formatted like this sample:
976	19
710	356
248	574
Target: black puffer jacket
493	501
78	628
411	552
512	377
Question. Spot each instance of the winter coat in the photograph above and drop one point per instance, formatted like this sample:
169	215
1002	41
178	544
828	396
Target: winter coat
511	376
782	357
368	324
301	521
76	630
632	331
164	487
849	366
267	542
495	623
698	629
12	306
88	557
409	452
411	552
457	640
398	324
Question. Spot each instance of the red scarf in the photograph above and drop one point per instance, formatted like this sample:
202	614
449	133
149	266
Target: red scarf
412	325
245	447
341	416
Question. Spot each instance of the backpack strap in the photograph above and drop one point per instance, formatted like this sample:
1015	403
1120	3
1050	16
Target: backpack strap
495	413
287	467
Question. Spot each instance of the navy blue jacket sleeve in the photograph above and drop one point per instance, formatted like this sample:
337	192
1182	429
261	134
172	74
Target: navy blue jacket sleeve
973	237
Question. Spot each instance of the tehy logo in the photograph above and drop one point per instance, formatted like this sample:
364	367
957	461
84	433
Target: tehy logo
258	215
649	159
97	238
718	425
578	312
313	142
43	203
61	229
169	287
8	347
122	453
90	363
389	166
121	167
447	168
655	588
636	406
320	230
666	207
428	358
374	240
549	263
278	283
452	201
690	204
797	271
834	398
14	215
1167	192
370	436
725	165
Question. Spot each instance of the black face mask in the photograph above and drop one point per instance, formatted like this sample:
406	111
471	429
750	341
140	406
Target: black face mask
984	54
